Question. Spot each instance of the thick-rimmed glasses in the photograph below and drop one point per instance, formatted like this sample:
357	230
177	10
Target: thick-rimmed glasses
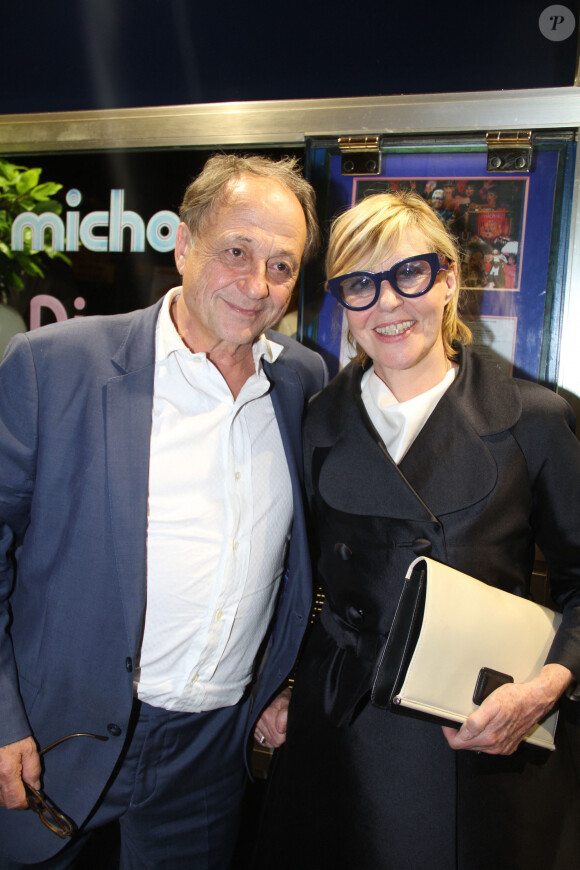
48	813
411	277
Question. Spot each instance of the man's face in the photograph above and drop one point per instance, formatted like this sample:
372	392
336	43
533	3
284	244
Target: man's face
239	270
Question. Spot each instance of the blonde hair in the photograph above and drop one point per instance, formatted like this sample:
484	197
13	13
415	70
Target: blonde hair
374	228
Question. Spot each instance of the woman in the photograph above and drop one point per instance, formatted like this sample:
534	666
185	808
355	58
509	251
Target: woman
418	447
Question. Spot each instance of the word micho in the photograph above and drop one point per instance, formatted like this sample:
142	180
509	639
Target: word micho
99	231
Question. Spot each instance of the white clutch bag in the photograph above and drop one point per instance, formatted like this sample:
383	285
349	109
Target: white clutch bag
454	640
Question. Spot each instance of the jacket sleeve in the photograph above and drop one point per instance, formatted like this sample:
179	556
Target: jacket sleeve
545	434
18	438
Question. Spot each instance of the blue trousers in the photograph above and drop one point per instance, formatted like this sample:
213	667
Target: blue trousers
177	793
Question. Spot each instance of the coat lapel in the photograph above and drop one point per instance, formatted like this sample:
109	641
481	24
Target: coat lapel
357	475
448	467
449	462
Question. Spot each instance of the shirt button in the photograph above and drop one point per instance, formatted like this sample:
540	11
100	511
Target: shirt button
219	614
236	545
238	475
194	679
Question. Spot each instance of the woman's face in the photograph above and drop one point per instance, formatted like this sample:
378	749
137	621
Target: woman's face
403	336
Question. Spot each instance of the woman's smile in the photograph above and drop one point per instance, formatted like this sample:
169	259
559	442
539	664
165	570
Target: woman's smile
395	329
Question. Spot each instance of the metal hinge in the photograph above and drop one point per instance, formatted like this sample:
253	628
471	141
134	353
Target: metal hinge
509	151
359	155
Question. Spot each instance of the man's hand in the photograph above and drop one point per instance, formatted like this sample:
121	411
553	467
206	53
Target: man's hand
508	714
18	762
271	726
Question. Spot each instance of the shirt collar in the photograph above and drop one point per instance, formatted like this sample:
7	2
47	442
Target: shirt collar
168	341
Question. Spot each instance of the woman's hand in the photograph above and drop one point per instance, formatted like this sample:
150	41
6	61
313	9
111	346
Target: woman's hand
507	715
271	726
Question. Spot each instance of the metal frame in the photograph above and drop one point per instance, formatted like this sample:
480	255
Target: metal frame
292	122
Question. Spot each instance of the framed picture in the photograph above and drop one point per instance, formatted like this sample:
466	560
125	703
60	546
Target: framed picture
510	229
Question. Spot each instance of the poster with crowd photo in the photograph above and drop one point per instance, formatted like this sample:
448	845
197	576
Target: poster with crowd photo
510	229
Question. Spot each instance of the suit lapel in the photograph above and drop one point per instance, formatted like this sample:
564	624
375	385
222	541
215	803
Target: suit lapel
288	402
128	406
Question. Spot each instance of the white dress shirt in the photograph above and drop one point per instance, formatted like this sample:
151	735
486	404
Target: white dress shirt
220	513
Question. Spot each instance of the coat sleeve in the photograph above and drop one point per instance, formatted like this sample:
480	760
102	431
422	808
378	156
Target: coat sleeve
545	434
18	439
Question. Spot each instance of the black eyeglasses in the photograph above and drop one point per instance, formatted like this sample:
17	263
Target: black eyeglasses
47	811
411	277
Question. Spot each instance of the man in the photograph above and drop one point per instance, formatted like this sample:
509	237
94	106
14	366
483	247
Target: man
437	203
150	499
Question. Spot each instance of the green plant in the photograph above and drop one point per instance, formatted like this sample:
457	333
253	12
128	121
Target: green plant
20	191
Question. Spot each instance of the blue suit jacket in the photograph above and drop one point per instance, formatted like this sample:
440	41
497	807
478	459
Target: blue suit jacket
75	424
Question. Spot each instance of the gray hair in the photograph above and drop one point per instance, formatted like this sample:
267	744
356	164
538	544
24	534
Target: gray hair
210	189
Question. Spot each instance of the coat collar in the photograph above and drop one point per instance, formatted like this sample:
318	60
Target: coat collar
447	468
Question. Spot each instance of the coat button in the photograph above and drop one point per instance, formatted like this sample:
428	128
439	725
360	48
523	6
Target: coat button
114	730
422	547
343	552
129	663
355	614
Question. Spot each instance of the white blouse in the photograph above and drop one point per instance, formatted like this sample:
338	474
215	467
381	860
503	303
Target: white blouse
399	423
